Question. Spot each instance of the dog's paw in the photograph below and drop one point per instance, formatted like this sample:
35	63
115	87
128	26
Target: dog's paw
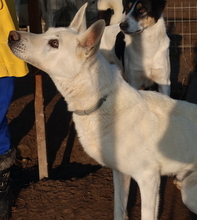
177	183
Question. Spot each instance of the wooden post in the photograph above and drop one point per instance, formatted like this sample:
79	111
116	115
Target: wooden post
35	27
40	129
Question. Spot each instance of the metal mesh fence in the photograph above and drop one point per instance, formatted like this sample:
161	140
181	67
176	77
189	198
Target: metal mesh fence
181	22
180	17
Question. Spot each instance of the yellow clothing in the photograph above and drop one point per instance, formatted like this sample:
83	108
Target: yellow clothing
10	65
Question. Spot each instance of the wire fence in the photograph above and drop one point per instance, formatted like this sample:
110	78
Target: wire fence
180	17
181	22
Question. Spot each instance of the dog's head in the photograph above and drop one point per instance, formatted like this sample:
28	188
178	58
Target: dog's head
59	51
141	14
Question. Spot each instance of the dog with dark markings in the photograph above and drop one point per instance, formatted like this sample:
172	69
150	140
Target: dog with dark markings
138	134
141	49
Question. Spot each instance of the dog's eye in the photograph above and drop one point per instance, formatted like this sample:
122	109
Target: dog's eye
142	11
54	43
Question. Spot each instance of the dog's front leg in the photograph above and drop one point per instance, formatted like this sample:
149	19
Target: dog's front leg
149	183
121	191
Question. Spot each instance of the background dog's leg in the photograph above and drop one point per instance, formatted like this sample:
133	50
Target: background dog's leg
121	192
149	183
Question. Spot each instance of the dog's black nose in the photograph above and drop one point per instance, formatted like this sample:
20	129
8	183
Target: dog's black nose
124	26
13	36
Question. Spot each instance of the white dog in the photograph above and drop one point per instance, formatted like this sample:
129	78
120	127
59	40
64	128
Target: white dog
111	11
137	134
141	50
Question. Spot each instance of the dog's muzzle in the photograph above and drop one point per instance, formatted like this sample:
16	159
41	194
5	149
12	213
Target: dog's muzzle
13	37
124	27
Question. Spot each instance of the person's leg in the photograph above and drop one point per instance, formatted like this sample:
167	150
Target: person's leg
6	92
7	154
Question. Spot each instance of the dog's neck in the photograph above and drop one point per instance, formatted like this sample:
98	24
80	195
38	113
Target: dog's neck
93	109
158	29
87	96
150	40
154	32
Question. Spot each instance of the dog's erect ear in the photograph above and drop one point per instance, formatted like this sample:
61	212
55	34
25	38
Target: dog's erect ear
158	7
79	21
90	39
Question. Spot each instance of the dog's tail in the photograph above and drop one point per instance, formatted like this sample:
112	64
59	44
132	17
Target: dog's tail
111	11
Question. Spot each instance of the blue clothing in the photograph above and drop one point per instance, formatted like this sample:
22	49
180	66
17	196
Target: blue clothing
6	92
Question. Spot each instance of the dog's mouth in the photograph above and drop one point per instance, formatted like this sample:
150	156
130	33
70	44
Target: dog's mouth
126	31
124	26
133	33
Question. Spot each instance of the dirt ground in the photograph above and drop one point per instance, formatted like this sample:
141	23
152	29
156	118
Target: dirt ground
77	188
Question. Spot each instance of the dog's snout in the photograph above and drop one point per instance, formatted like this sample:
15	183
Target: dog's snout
124	25
13	36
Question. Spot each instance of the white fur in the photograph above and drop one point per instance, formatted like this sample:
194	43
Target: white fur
137	134
146	55
188	191
116	6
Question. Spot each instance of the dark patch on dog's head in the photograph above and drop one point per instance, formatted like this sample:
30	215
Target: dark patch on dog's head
141	8
106	15
120	46
157	8
127	4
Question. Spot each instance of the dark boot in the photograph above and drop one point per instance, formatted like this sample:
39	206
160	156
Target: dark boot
6	196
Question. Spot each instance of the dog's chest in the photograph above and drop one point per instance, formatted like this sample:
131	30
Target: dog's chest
96	137
110	143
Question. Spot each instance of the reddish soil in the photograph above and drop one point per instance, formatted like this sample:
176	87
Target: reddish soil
77	188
